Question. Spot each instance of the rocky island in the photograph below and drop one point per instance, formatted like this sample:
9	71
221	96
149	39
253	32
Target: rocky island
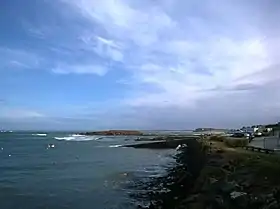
114	133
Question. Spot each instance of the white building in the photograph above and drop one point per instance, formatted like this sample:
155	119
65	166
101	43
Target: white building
250	129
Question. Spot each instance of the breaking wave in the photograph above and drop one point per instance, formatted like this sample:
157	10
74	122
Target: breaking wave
77	137
39	134
118	145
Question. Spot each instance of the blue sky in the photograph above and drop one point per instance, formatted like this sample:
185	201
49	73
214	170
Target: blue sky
169	64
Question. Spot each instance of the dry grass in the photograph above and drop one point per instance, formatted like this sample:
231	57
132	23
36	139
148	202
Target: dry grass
228	141
255	174
217	138
236	142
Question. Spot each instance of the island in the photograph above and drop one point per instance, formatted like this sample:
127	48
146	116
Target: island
114	133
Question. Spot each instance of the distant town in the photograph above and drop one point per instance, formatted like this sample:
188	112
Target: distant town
257	130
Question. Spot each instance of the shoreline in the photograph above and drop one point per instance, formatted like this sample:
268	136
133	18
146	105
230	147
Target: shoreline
210	174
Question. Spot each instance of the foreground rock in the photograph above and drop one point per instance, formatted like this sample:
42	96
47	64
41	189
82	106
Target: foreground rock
114	133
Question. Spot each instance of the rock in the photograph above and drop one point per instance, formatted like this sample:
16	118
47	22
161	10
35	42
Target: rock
178	147
227	167
191	198
213	180
236	194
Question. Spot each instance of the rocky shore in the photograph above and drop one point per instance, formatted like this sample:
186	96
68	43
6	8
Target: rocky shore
209	174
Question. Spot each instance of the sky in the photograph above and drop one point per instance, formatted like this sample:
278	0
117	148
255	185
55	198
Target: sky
138	64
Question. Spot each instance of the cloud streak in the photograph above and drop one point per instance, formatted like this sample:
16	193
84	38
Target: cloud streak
81	69
10	113
18	59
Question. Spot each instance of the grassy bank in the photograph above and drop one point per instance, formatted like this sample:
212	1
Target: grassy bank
211	174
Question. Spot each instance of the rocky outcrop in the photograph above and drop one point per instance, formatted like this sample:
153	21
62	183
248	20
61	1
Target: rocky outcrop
115	133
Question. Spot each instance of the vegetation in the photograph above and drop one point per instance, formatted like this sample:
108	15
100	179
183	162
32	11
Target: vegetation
217	138
236	142
229	141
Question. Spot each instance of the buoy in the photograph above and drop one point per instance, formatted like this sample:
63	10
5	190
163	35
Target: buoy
51	146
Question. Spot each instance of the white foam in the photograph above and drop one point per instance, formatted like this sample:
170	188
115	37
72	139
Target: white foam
118	145
76	137
39	134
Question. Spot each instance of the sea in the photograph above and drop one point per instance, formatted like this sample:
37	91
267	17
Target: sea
55	170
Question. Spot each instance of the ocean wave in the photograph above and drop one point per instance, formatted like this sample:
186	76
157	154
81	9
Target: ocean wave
118	145
77	137
39	134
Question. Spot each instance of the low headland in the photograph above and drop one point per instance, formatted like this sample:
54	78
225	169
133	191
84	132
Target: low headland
114	133
214	172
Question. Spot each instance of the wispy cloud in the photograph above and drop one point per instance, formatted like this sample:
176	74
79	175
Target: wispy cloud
12	113
154	35
81	69
105	48
16	58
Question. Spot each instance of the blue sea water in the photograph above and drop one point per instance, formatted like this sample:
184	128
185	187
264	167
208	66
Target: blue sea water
80	172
